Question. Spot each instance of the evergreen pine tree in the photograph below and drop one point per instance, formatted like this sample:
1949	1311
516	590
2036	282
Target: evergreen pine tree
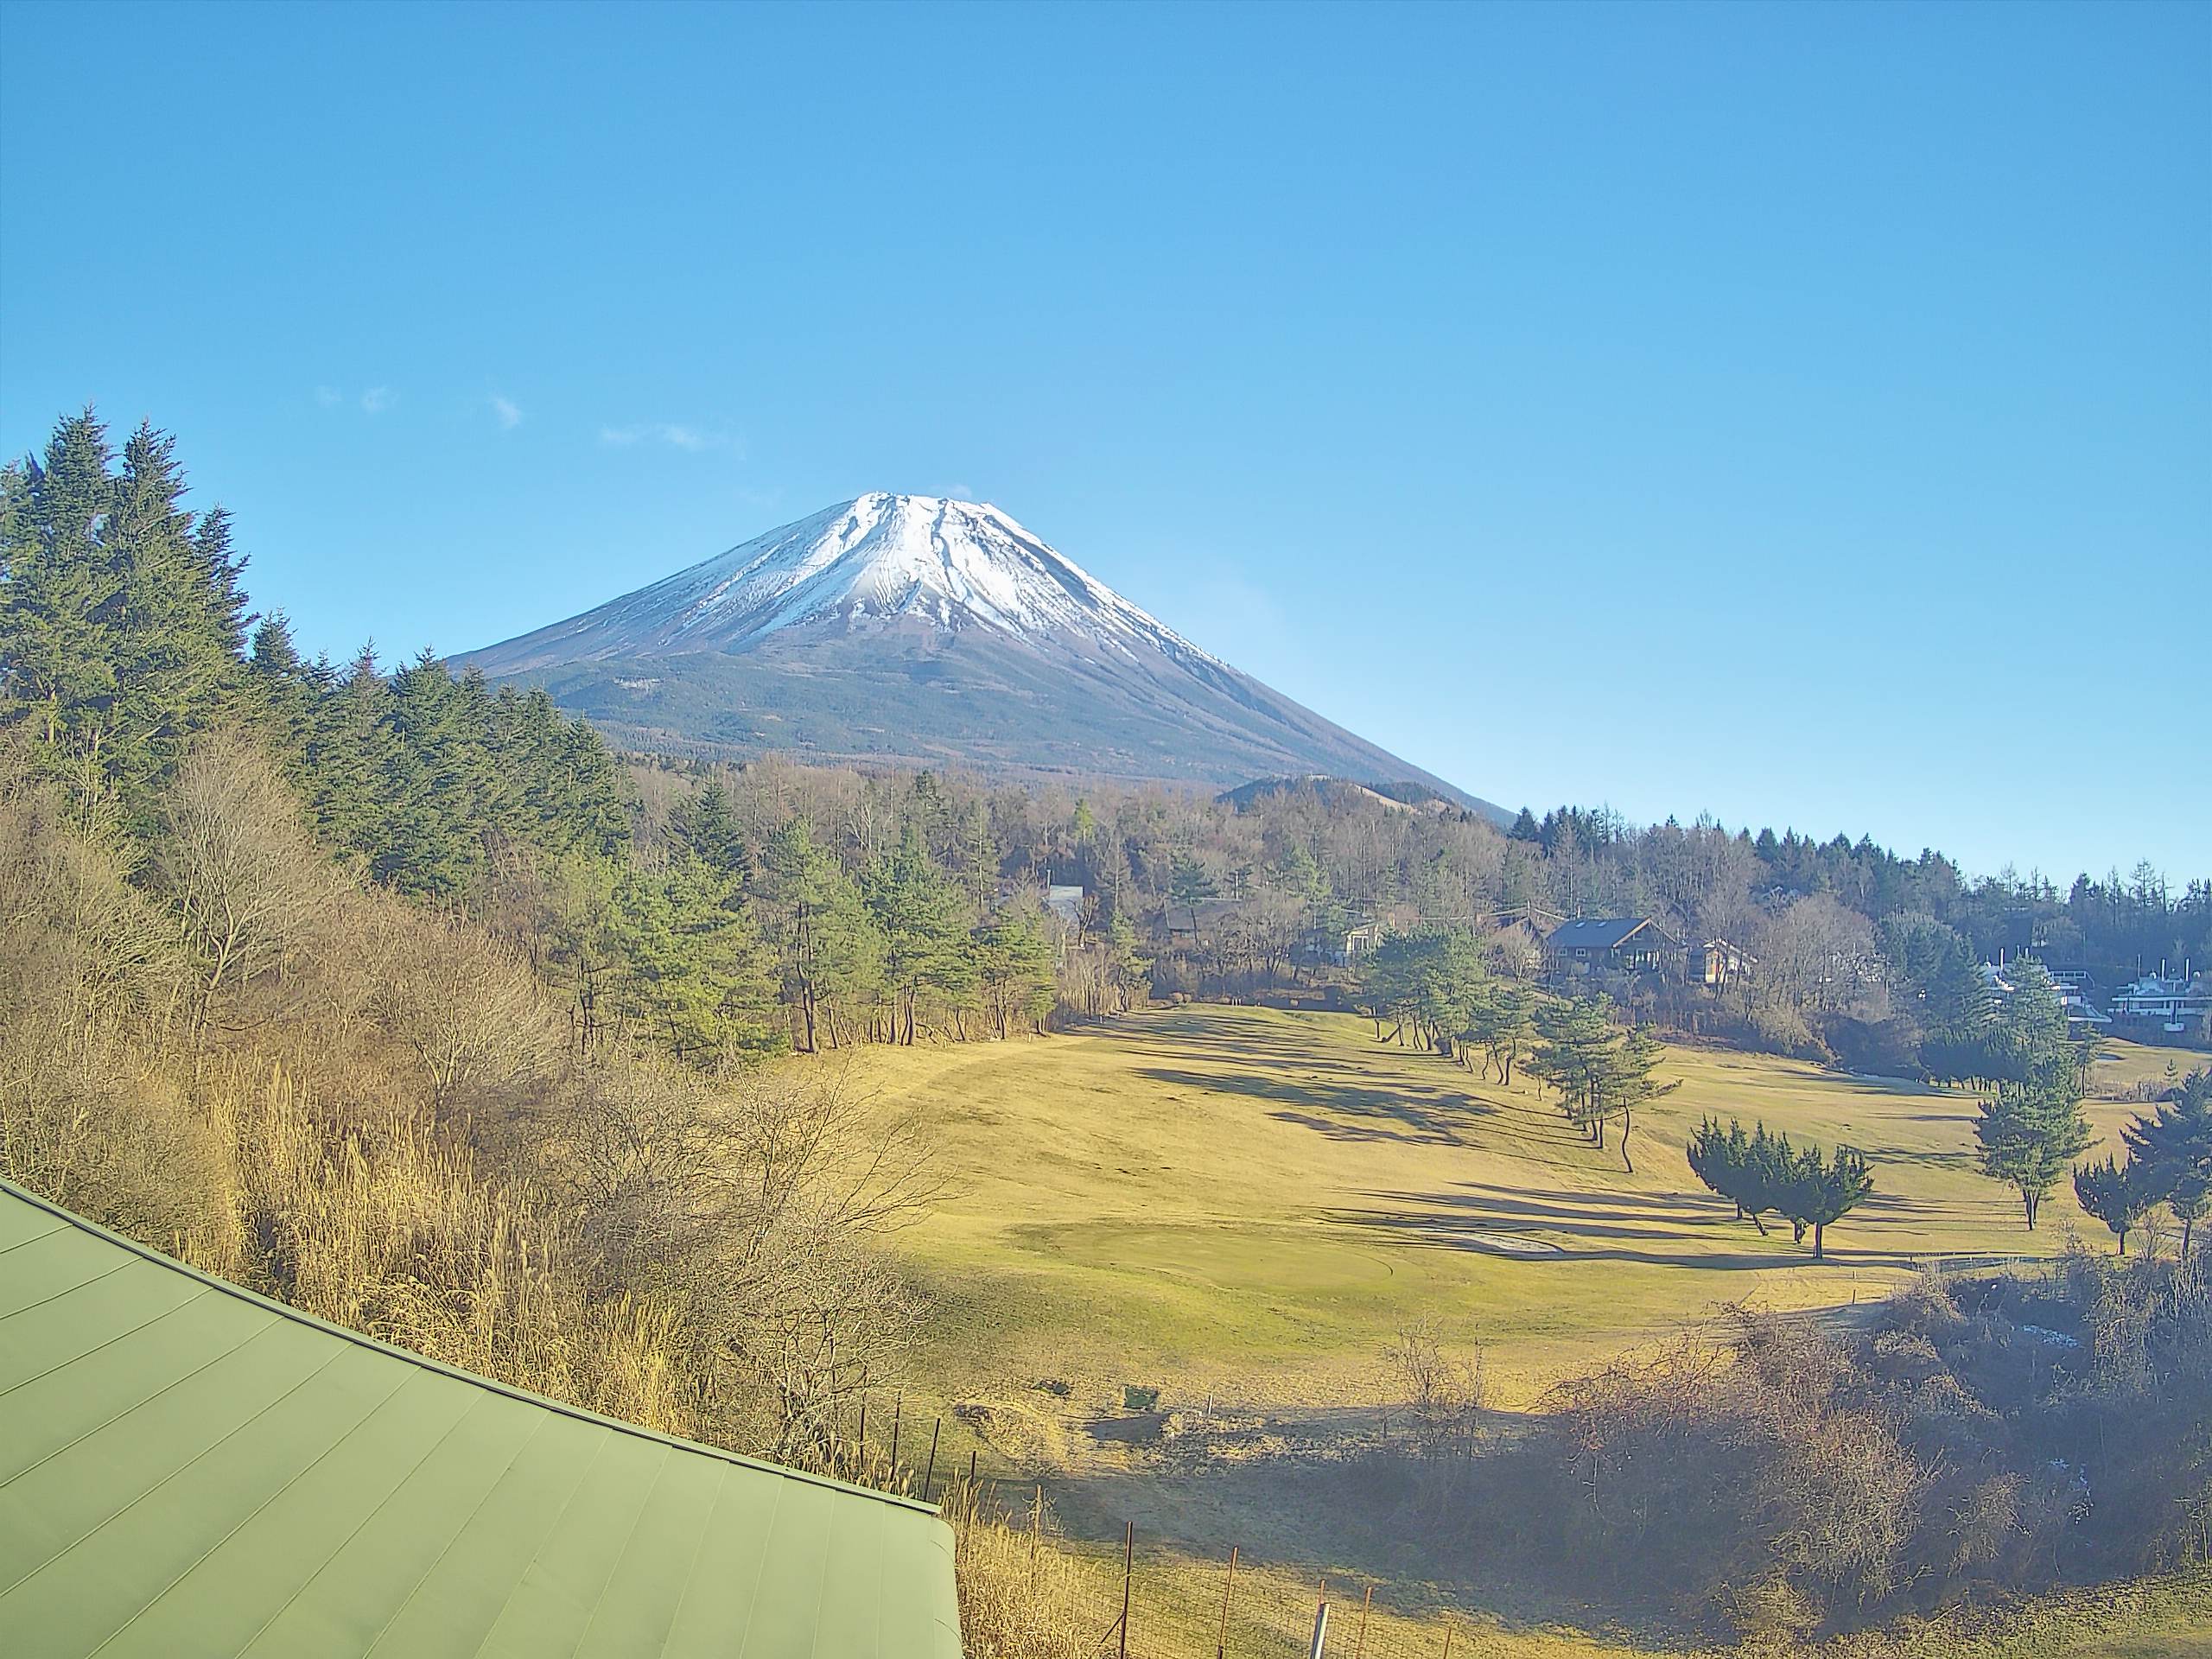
2117	1194
919	913
830	948
2174	1145
2030	1133
704	825
58	650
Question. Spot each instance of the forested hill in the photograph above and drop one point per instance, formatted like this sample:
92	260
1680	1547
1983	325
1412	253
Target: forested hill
721	913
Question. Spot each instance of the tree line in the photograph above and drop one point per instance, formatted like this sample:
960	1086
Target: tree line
704	927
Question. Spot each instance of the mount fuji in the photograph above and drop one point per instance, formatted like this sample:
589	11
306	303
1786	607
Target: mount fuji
932	632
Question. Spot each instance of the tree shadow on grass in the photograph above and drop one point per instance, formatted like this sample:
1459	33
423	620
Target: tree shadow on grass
1362	1511
1643	1227
1369	1110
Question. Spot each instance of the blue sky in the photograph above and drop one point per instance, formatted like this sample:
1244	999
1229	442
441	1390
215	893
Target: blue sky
1802	414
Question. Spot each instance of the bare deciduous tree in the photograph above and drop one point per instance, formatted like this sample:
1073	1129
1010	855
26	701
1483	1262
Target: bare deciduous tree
467	1007
248	884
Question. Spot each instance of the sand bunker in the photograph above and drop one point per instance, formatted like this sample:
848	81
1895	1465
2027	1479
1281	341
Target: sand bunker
1508	1244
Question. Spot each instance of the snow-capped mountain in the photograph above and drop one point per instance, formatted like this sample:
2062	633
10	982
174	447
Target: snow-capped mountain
955	564
930	630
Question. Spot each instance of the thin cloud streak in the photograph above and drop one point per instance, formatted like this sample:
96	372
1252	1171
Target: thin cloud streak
692	440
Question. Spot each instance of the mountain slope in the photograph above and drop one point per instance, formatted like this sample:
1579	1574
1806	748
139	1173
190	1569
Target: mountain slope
927	630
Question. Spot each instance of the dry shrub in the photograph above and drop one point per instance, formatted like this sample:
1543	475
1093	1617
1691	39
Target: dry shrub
1747	1480
89	978
1442	1392
752	1206
86	1122
389	1231
76	940
466	1008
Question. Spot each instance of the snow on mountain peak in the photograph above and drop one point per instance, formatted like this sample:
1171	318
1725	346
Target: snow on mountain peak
866	562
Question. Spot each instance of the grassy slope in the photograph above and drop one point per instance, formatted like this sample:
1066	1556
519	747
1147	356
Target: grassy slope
1247	1203
1242	1206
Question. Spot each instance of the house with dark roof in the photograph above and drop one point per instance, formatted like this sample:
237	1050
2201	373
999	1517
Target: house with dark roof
1185	922
1619	945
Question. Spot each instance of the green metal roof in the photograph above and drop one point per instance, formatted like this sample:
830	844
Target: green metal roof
189	1469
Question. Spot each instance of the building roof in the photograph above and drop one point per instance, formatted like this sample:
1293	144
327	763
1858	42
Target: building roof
189	1469
1206	913
1598	933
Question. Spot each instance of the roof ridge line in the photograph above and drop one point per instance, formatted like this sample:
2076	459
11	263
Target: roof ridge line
284	1310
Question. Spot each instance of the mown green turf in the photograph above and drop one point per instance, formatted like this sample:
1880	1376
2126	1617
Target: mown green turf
1247	1203
2123	1063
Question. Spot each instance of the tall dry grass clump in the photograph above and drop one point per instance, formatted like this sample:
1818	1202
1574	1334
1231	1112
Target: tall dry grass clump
1021	1596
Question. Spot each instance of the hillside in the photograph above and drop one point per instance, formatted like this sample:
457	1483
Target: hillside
1244	1208
933	632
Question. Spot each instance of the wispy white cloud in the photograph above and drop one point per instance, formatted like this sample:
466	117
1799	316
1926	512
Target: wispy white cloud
958	492
377	399
693	440
506	411
329	397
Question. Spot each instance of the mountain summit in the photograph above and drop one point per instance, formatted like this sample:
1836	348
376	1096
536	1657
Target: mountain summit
864	564
932	630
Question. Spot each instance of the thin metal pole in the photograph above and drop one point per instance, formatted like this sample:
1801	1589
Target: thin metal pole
1448	1639
1221	1641
1129	1565
862	1454
931	1469
897	1411
1359	1648
1320	1625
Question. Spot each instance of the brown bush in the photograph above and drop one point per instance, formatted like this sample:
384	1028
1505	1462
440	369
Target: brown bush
1740	1479
87	1121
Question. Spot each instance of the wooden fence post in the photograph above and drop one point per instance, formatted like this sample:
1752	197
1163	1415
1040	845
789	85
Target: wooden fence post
1359	1648
1221	1641
1036	1526
931	1469
1320	1624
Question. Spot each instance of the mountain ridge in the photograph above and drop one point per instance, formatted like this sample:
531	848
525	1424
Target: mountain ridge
932	630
